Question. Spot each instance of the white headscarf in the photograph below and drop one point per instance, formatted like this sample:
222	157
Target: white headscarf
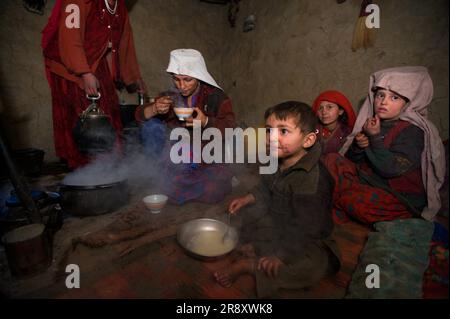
190	62
414	83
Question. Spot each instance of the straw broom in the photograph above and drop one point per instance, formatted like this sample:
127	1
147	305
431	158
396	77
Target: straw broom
363	36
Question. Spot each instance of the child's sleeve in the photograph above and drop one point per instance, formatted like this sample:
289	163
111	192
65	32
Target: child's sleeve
310	217
403	155
261	191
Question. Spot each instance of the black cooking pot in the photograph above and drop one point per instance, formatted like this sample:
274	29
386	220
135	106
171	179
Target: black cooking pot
92	200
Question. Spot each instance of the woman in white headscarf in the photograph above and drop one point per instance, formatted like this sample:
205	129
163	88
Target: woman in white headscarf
196	89
397	157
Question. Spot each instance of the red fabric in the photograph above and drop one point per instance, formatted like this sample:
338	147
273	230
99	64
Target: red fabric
52	25
223	119
395	131
435	279
96	35
340	99
69	101
332	141
351	198
410	182
208	183
50	30
362	11
202	98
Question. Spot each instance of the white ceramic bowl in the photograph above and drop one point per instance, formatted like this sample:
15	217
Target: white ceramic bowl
183	112
155	203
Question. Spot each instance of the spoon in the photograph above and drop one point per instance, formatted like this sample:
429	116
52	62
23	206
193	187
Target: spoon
228	228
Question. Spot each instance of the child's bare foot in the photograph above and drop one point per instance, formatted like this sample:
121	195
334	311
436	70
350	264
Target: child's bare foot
228	275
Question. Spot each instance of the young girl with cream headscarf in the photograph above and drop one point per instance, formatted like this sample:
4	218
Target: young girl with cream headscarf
395	161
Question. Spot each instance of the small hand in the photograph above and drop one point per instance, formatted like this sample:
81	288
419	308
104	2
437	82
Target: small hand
237	203
199	117
269	265
372	126
362	140
91	84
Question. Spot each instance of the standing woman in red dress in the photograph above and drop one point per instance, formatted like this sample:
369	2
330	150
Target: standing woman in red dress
88	49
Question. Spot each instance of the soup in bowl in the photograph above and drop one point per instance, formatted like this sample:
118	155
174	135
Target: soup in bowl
155	203
183	112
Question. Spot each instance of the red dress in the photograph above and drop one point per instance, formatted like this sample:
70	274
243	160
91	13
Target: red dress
102	45
332	141
364	193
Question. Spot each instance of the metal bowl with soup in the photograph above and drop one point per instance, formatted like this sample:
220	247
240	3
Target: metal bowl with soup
204	238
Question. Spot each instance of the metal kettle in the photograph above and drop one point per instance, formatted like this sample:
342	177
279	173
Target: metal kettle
93	133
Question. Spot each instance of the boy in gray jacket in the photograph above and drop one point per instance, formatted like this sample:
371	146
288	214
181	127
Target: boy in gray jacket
287	216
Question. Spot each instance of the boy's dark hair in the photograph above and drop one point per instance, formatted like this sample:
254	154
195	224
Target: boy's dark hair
302	113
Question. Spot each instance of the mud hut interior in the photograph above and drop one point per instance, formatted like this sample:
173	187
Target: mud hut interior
241	57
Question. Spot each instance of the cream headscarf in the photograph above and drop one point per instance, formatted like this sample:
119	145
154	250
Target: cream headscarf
414	83
190	62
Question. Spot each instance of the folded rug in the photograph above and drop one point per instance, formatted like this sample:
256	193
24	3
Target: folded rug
398	255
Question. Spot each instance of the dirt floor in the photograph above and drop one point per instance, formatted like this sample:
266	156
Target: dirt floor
131	253
105	257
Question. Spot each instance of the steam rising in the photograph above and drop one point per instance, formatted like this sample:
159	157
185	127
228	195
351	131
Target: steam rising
142	172
139	170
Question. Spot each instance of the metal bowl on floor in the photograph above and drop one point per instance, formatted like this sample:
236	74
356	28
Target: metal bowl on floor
203	238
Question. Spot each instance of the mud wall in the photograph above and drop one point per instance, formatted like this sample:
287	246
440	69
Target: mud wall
298	49
302	47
